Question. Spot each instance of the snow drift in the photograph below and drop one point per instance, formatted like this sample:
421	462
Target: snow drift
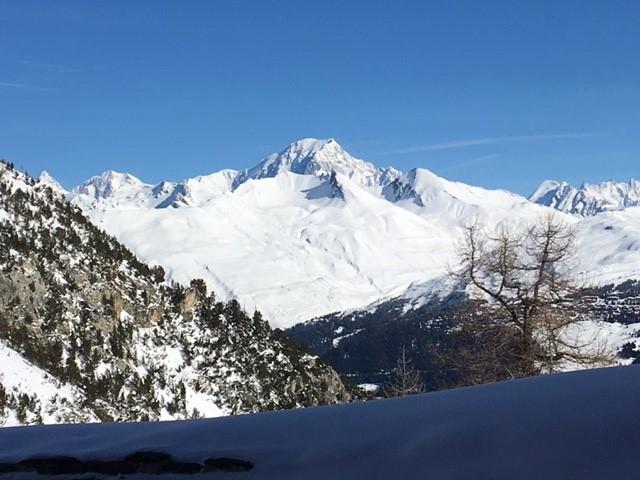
574	425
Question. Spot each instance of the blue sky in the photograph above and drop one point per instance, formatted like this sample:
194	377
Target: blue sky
496	93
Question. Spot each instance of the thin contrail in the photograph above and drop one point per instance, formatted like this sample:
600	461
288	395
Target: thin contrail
483	141
33	63
24	86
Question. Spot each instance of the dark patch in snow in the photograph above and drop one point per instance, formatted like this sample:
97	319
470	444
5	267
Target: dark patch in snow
144	462
226	465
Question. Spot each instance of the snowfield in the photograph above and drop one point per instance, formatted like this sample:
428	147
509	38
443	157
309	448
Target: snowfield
565	426
313	230
609	246
292	257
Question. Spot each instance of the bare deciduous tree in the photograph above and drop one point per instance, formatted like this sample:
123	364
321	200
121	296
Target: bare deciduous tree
525	319
405	379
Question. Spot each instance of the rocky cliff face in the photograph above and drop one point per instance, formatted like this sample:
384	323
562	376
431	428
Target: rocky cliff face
116	341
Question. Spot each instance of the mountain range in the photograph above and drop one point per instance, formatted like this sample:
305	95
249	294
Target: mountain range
312	230
589	199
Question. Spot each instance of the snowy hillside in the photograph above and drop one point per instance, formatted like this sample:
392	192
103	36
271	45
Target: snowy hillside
312	230
88	331
31	395
567	426
589	199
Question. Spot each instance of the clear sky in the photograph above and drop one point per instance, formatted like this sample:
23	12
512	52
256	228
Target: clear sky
493	93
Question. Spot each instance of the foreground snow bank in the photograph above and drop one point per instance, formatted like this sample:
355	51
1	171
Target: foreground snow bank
573	425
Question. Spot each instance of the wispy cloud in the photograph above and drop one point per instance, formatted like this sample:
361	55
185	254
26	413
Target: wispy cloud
483	141
24	86
33	63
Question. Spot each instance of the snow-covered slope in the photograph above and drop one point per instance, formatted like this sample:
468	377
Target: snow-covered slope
287	245
455	204
25	388
194	191
589	199
567	426
312	230
609	246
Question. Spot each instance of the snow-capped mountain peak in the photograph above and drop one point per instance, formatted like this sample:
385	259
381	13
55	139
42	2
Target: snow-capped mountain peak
46	179
588	199
546	187
108	183
310	156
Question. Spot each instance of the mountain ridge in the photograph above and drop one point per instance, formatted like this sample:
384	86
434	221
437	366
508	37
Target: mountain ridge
308	156
322	157
588	199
